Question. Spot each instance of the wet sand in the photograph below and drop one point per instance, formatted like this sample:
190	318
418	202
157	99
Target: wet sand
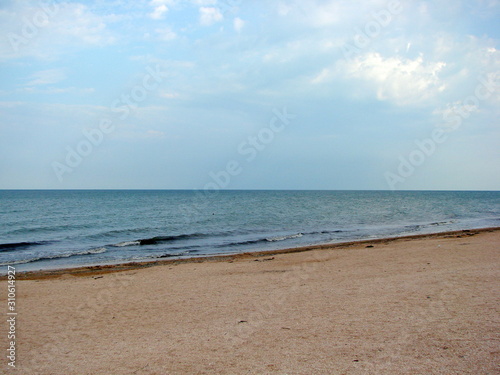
415	305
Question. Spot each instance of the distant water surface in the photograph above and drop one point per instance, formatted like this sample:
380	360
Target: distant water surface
56	228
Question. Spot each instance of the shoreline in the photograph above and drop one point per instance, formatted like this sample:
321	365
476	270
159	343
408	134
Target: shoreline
408	305
93	270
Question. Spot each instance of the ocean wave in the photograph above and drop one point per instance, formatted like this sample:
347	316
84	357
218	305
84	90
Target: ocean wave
283	238
159	256
442	222
158	240
327	232
4	247
127	243
412	228
262	240
48	229
164	239
239	243
120	232
418	227
98	250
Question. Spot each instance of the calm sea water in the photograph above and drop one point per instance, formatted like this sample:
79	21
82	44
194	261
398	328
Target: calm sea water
56	229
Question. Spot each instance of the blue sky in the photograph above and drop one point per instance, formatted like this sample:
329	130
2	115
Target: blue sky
239	94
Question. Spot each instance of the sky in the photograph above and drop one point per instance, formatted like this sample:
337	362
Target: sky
240	94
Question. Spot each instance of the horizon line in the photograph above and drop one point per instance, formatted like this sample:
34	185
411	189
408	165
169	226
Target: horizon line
219	190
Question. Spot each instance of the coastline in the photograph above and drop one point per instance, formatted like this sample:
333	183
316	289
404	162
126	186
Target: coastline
415	304
394	306
92	270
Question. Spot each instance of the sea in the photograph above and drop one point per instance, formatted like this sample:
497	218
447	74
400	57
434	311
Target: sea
53	229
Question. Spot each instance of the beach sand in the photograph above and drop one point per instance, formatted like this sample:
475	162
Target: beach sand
420	305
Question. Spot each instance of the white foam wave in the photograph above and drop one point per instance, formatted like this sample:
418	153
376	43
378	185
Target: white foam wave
127	243
282	238
98	250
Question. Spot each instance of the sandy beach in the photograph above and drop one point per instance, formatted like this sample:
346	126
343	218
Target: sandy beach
418	305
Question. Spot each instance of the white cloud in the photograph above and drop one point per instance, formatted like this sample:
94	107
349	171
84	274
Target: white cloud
238	24
283	9
160	8
323	76
328	13
159	12
166	34
210	15
56	90
156	3
43	31
204	2
46	77
78	22
397	79
169	95
451	110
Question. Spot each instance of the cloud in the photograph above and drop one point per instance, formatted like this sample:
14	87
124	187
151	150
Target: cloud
160	8
401	80
169	95
56	90
76	21
238	24
416	70
209	16
45	30
46	77
204	2
159	12
443	115
156	3
166	34
328	13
